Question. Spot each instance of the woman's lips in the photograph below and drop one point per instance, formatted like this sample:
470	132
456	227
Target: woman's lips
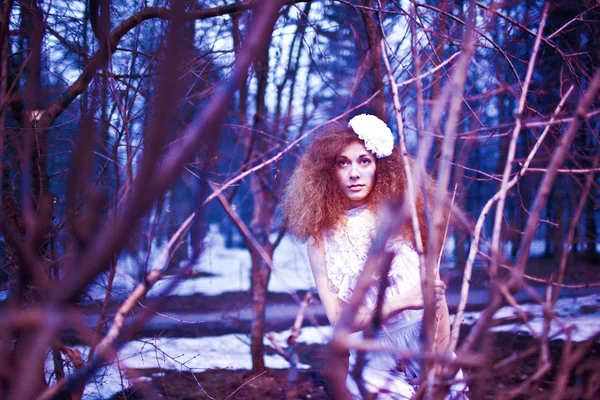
356	188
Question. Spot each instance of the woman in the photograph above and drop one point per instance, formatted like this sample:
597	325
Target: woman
332	200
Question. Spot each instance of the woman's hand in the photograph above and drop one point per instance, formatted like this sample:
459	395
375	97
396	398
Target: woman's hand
413	299
415	295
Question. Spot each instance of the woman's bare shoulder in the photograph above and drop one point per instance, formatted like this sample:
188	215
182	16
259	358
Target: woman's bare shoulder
315	249
315	241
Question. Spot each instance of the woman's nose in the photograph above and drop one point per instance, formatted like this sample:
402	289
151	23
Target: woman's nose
354	174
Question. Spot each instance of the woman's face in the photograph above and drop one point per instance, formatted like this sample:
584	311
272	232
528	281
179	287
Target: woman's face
355	171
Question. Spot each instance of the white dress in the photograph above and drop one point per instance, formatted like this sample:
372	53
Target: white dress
346	249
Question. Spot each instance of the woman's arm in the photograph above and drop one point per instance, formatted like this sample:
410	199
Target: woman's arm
413	299
327	293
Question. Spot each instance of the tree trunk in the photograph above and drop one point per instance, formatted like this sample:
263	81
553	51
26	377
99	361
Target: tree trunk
523	200
439	42
374	70
176	210
460	234
505	112
34	182
260	274
262	215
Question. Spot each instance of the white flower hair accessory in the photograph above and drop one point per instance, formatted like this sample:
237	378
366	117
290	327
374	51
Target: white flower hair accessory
375	133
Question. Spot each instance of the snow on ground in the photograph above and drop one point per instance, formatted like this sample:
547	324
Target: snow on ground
308	335
233	351
230	267
232	271
188	354
580	314
225	352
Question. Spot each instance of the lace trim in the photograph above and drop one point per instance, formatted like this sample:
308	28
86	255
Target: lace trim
346	251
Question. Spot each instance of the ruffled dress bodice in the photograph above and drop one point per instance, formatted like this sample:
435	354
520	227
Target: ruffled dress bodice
346	249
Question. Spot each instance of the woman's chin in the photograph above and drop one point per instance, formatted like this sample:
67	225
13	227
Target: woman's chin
357	201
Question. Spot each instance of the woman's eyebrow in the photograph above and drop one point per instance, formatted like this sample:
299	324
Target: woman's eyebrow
343	157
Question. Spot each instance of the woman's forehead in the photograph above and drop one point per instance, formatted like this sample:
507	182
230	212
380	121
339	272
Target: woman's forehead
354	149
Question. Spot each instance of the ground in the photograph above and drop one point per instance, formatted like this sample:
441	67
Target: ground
494	384
242	384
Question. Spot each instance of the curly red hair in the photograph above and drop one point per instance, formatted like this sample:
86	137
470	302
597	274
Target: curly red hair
313	200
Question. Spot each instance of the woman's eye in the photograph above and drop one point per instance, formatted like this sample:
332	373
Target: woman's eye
342	163
365	161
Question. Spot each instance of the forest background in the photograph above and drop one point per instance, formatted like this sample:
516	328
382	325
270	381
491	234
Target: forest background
128	125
